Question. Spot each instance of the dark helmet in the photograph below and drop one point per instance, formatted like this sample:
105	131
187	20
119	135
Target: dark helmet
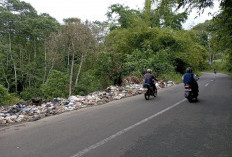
189	70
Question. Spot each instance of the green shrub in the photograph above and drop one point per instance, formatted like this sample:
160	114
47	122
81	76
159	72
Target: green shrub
57	85
7	99
3	95
88	83
172	76
31	92
109	68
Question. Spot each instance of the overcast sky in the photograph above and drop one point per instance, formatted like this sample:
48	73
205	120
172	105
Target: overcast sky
95	9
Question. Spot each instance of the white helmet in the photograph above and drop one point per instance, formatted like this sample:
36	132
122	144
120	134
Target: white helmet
149	70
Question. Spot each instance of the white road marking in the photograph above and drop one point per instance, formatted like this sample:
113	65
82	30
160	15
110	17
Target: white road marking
206	84
102	142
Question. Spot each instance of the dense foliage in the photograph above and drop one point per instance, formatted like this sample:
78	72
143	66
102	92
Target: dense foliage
6	98
41	58
219	29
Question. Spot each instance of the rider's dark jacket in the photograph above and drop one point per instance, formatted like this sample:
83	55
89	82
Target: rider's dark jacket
149	78
188	78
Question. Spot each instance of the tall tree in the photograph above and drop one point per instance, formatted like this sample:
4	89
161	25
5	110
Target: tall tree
23	32
121	16
163	14
155	14
75	38
222	22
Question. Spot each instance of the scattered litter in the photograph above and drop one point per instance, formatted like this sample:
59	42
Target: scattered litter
37	109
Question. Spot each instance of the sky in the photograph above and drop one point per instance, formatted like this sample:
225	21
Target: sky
96	9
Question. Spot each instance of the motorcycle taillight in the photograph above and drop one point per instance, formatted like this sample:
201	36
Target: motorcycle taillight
187	86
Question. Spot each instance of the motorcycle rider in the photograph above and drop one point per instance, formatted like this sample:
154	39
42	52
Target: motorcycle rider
149	79
189	78
214	70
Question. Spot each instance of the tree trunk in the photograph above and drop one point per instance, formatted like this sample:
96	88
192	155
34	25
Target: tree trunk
69	49
15	74
29	79
71	71
50	69
7	61
28	73
21	57
79	70
68	54
4	75
45	64
34	47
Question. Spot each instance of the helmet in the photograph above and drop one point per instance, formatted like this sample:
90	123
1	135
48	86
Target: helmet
149	70
189	70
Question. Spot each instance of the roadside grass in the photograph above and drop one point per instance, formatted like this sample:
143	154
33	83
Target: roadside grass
175	77
220	66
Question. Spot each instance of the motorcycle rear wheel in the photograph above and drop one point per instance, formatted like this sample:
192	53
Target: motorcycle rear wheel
147	95
190	100
155	93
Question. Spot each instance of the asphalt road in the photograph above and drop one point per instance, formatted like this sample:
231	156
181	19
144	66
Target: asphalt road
165	126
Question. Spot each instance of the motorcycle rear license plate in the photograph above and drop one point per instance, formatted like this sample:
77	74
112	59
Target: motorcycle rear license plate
188	90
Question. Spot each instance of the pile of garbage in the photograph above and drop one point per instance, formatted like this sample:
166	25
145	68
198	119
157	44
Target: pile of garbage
37	109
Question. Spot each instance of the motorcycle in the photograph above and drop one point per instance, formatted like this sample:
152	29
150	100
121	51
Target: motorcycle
191	94
150	91
215	71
